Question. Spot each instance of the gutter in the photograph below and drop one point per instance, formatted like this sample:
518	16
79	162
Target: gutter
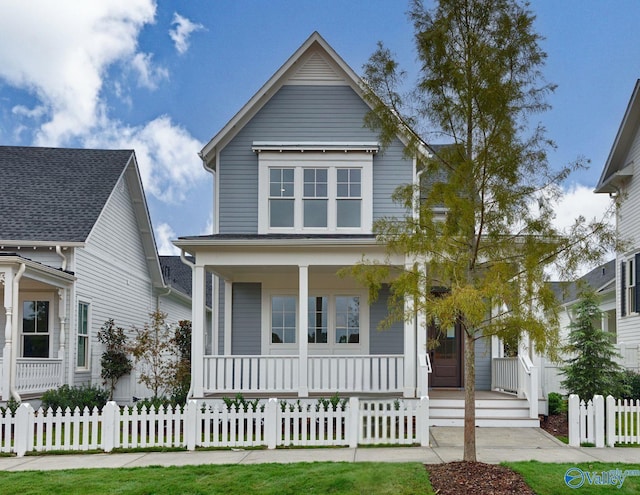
64	258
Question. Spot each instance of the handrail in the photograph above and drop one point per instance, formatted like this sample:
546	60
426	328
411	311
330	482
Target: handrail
529	385
526	363
424	361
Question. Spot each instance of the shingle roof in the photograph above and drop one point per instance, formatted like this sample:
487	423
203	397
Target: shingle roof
178	275
55	194
596	279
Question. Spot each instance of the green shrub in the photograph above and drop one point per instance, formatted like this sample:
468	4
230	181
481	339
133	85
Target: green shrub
632	381
84	396
557	404
239	403
332	403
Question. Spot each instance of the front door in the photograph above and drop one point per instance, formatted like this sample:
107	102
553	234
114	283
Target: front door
445	352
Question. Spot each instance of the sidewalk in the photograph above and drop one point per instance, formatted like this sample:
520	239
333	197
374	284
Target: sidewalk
494	445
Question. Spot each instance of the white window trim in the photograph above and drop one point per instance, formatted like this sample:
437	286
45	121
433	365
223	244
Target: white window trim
331	160
87	367
331	347
36	296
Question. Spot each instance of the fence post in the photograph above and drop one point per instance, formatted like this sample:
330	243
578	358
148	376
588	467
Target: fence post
574	420
611	421
422	421
191	424
23	429
109	426
598	407
271	424
353	426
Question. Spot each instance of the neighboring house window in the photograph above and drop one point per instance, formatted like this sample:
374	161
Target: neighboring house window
283	320
315	192
82	358
35	328
629	294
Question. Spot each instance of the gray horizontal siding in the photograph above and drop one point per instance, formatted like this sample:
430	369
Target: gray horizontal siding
483	364
390	340
246	322
301	114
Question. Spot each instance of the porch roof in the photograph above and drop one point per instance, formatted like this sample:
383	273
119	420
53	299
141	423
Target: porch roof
37	271
275	239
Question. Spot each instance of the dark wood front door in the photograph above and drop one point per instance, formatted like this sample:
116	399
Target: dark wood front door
446	356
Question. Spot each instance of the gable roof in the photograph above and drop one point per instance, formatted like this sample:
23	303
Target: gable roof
601	279
177	275
56	194
315	62
615	169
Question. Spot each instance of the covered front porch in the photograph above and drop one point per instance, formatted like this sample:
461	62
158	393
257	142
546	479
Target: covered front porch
35	323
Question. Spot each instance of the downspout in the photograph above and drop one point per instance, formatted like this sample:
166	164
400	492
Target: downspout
14	333
190	265
64	258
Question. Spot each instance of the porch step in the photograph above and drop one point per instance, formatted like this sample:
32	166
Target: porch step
489	412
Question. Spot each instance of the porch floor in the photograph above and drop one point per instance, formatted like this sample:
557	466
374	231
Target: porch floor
436	393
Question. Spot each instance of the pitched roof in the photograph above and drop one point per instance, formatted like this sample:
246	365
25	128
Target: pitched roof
599	279
55	194
178	276
616	170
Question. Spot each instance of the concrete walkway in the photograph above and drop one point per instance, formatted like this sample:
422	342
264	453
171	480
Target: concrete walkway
493	445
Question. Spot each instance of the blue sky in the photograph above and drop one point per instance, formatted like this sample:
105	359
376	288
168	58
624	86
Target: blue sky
164	77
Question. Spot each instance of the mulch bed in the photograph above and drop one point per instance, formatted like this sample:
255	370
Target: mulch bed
475	478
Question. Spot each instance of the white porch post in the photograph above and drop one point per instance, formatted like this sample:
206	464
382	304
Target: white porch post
303	333
410	353
5	279
215	315
228	315
198	329
421	348
62	316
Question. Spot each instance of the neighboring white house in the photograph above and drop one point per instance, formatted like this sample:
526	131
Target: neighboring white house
299	182
76	248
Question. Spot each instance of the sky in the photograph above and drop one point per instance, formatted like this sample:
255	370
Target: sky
163	77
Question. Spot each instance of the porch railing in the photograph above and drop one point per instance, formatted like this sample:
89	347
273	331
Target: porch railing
528	383
504	374
258	374
37	375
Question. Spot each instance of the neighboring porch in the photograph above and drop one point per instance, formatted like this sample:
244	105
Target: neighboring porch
35	323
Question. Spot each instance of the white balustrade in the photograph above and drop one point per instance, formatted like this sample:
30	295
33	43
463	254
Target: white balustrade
37	375
504	374
249	374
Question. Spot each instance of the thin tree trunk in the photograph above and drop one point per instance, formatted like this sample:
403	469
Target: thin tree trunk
469	398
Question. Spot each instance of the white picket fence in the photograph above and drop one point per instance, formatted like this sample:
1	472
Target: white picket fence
271	424
603	422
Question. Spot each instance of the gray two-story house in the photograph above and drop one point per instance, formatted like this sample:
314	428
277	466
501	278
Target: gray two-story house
299	182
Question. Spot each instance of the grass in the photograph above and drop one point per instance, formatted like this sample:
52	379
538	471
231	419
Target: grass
281	479
549	479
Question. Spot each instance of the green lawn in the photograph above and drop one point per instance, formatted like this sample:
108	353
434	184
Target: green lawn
281	479
548	479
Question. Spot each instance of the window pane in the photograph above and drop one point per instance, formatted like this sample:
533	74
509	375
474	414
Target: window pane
347	319
281	182
287	175
348	211
355	191
354	175
309	175
29	316
315	212
281	213
283	319
317	321
36	346
42	325
82	352
343	175
309	191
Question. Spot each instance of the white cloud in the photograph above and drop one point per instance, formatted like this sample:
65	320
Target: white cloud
164	234
208	228
148	75
580	200
183	29
60	53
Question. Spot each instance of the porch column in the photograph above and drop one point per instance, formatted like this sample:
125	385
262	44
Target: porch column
215	315
228	315
198	291
421	349
303	331
410	353
5	280
62	316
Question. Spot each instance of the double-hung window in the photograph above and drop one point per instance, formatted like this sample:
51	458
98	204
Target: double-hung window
82	355
315	192
629	294
36	321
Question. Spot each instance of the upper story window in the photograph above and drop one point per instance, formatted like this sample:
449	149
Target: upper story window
629	294
315	191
